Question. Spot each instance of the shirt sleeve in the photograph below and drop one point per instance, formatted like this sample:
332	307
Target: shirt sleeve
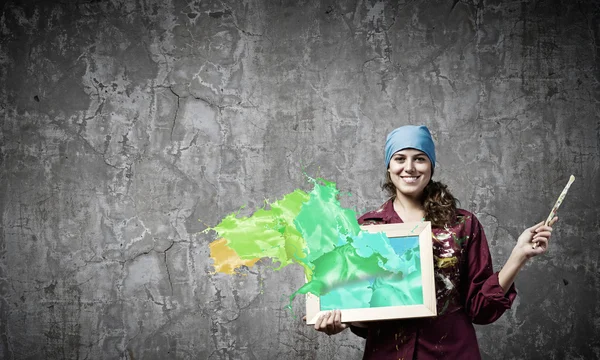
359	331
485	299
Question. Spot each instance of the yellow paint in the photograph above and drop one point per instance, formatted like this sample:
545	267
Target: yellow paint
225	259
443	263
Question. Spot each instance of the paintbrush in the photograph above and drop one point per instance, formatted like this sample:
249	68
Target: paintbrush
561	197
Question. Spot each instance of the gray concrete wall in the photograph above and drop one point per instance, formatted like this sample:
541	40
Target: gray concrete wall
127	127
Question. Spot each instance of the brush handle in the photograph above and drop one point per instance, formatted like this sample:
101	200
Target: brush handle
561	197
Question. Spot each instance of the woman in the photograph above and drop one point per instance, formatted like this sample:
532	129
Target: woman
467	289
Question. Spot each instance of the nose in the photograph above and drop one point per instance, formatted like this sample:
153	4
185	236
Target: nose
409	166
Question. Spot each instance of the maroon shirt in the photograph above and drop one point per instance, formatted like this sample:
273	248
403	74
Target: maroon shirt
467	291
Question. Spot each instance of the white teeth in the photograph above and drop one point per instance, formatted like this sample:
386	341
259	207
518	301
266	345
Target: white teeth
410	179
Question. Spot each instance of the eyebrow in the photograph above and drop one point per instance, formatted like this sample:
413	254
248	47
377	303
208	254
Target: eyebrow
416	155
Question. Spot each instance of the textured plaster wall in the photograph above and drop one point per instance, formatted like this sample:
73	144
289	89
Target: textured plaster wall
127	127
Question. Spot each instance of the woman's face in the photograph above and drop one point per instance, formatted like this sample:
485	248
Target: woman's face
410	172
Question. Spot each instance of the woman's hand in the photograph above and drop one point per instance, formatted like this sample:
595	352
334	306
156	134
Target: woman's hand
330	322
534	241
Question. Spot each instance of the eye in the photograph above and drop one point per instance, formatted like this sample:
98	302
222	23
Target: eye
421	159
399	158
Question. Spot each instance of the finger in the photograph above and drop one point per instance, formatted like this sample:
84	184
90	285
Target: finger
553	221
330	319
337	322
545	234
543	228
304	318
534	227
318	323
542	239
340	324
542	244
538	242
326	319
337	318
321	322
539	237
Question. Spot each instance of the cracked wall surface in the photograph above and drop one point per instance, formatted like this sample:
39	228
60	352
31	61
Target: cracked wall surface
128	127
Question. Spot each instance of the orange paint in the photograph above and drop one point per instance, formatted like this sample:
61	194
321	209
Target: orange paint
225	259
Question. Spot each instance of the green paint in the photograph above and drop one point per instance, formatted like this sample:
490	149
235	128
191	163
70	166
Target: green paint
460	241
340	266
268	233
322	221
347	267
397	281
444	307
355	295
393	289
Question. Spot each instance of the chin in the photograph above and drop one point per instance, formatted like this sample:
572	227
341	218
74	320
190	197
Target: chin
412	192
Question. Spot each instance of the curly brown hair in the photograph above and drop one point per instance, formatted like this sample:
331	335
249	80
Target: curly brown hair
439	204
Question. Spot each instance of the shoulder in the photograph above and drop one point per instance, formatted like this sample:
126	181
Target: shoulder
464	215
468	221
376	216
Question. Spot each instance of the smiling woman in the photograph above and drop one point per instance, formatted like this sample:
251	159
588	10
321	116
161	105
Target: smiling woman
410	171
468	291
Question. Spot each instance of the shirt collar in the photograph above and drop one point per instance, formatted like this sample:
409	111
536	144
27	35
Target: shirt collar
385	214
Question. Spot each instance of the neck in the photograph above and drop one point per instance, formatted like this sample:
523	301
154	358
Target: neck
408	208
408	202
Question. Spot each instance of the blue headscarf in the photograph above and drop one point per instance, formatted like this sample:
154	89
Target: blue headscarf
409	136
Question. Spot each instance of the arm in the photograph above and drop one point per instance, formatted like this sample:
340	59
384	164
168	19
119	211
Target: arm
524	250
484	298
487	294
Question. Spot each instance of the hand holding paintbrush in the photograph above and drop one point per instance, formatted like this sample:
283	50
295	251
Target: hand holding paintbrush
532	242
561	197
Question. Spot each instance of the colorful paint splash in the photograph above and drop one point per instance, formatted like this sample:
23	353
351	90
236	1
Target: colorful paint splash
314	231
229	260
266	234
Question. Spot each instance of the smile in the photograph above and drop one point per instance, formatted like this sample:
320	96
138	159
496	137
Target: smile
410	179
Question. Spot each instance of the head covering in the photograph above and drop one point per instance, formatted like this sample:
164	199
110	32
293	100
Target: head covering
409	137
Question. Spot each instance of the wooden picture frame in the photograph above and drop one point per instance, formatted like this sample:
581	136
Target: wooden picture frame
402	233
